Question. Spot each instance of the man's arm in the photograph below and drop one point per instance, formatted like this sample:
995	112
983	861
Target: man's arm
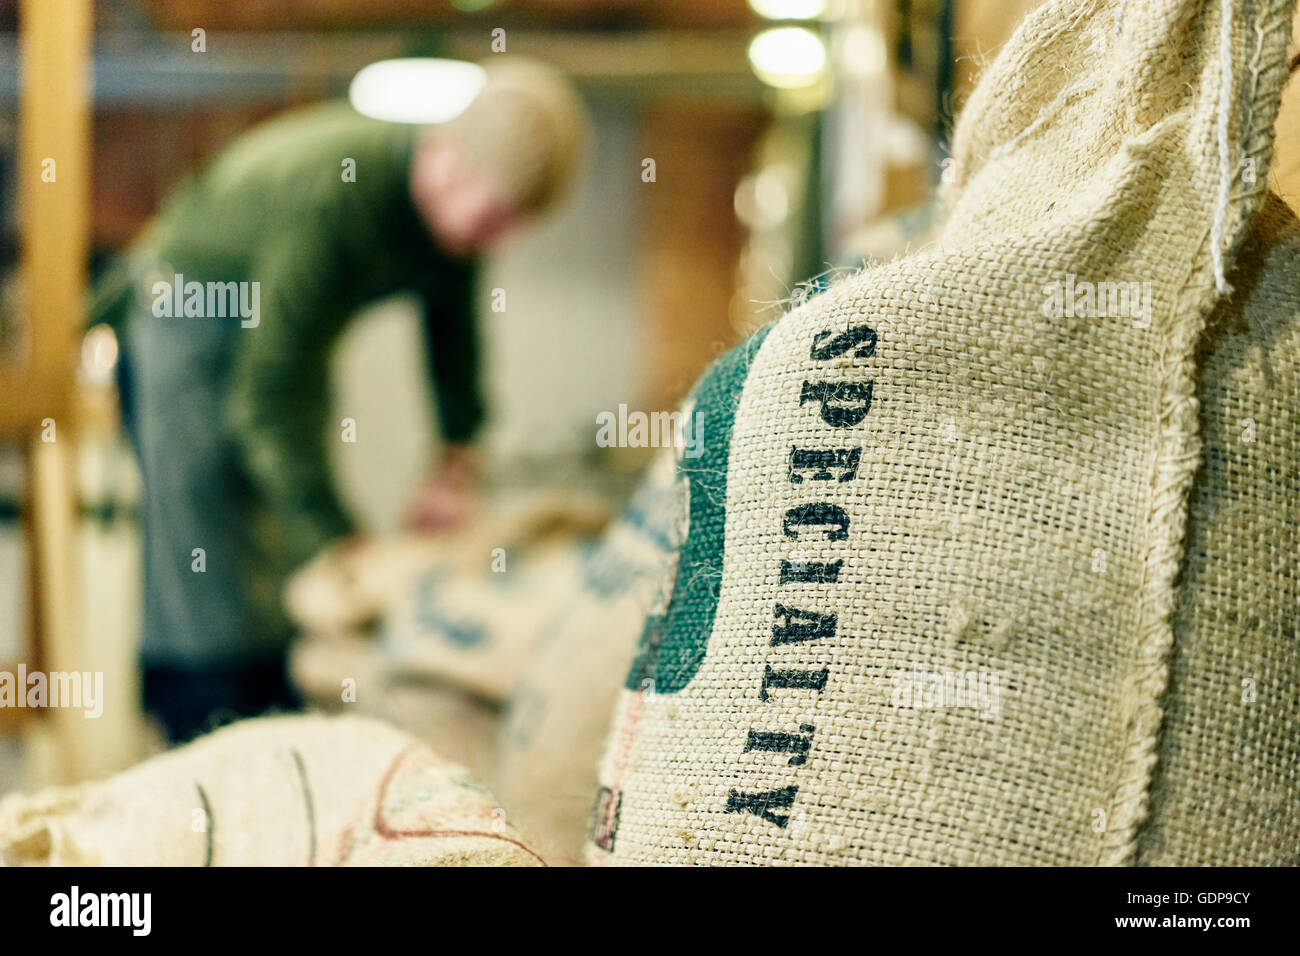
446	497
450	326
278	403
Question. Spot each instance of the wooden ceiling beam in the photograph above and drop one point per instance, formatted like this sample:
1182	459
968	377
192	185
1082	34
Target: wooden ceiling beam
315	14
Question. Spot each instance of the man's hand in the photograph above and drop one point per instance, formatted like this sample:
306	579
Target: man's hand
448	496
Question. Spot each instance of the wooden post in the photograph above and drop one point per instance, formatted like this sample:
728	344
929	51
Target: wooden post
54	192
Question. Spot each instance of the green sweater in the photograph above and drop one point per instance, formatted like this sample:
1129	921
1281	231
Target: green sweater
274	208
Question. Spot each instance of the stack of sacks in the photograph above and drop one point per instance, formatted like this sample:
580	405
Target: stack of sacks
278	791
341	673
550	638
558	712
349	586
472	626
451	633
992	549
557	630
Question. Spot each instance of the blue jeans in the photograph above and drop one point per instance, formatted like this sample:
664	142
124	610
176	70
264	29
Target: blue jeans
211	585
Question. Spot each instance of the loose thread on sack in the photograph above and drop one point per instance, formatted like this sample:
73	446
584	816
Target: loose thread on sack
1225	173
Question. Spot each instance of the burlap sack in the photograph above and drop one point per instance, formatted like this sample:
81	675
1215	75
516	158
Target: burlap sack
340	673
473	628
557	714
349	585
281	791
1226	788
979	571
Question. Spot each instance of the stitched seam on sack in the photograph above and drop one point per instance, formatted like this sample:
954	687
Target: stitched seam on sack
1177	462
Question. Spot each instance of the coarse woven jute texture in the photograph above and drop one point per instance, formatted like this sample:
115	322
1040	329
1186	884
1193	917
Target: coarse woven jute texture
980	568
1226	789
544	768
277	791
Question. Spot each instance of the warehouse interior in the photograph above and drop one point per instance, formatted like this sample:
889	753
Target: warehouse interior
740	155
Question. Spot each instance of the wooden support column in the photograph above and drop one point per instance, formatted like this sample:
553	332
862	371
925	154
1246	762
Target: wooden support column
54	193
